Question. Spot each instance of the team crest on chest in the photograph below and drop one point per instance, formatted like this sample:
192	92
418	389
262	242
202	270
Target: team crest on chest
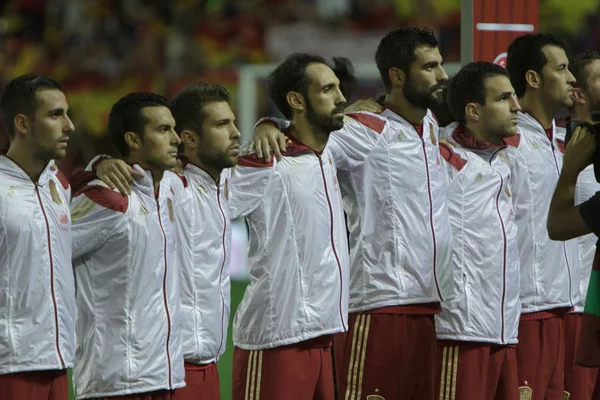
375	397
432	135
12	192
170	208
54	193
525	393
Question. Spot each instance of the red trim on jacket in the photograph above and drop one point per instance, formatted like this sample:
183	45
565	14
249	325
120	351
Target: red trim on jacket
63	179
374	123
453	158
106	197
464	139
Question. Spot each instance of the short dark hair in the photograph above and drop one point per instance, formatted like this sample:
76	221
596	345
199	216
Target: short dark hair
290	76
468	86
126	116
397	50
20	97
578	67
188	105
525	53
344	70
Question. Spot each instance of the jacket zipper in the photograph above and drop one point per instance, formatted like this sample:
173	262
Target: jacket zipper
437	286
332	239
165	287
62	362
504	242
564	244
221	273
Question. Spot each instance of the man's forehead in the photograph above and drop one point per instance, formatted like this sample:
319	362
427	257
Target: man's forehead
217	110
425	54
593	68
498	84
321	74
157	115
49	99
555	55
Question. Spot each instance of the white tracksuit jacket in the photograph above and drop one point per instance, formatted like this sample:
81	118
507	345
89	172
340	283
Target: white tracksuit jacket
203	232
37	289
297	250
129	335
485	242
585	189
394	194
549	269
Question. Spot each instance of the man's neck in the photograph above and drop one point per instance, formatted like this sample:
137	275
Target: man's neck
396	102
581	114
481	135
535	107
157	173
24	157
214	172
307	135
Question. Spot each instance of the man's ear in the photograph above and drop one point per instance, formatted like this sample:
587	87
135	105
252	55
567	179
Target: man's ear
296	101
397	77
21	124
533	79
133	140
578	96
472	112
189	139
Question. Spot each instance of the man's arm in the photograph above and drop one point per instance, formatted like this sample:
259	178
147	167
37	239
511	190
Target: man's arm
95	212
565	220
249	184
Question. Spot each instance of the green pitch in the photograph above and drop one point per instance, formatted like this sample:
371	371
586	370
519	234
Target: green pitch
226	362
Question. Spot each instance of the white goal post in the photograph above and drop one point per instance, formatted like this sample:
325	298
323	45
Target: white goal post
248	76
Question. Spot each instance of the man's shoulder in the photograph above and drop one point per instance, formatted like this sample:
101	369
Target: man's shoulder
373	121
99	193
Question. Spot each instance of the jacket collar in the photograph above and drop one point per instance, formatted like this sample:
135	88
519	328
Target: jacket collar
526	121
146	183
49	171
197	171
461	137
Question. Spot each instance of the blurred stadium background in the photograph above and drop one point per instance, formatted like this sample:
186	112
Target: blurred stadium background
102	49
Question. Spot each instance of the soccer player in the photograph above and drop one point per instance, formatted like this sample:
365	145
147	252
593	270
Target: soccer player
539	71
129	341
585	67
297	252
477	331
392	181
37	306
205	123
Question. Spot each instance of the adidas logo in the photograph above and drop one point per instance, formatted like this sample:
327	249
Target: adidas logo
143	210
479	178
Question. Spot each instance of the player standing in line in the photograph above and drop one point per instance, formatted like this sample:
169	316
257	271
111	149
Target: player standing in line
585	67
129	321
205	124
37	306
297	252
477	331
539	70
392	181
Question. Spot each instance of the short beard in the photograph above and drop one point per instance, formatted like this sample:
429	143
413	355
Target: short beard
324	123
422	99
215	159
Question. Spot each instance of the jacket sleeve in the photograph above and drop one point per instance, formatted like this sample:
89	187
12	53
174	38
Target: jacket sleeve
96	211
352	144
453	164
249	182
